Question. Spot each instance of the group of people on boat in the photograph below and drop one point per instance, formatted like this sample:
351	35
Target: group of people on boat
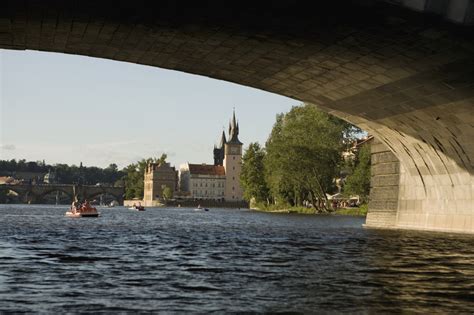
84	207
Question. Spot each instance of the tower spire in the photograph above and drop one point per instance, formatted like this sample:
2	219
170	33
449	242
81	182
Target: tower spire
234	130
234	123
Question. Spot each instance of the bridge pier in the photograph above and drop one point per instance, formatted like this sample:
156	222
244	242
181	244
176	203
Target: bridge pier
410	198
384	187
33	199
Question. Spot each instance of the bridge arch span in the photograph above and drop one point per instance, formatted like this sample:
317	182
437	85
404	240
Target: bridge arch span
25	193
55	189
406	77
115	196
18	191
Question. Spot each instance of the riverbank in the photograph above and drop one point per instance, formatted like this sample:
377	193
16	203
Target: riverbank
360	211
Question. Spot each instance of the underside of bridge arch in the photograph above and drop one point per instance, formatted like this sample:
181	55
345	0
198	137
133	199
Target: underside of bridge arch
115	197
407	77
46	192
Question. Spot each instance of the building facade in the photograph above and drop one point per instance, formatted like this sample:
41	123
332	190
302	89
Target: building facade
203	181
220	181
157	177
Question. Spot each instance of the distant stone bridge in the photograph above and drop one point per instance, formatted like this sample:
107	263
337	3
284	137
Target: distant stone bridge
30	193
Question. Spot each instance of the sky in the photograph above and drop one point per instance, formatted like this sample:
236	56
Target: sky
70	109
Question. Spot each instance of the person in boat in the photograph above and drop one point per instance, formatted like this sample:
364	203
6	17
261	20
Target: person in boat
74	207
86	206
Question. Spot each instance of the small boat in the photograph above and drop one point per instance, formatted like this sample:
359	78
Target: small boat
137	208
85	211
89	213
77	214
201	209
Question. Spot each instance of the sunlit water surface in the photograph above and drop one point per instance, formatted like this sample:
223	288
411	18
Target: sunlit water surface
182	260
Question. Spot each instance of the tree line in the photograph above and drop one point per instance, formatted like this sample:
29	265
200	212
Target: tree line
131	176
64	173
301	160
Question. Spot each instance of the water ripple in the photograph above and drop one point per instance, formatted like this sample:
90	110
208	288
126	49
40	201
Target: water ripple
178	260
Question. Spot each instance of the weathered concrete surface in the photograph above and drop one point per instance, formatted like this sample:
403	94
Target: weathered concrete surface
384	187
397	200
406	77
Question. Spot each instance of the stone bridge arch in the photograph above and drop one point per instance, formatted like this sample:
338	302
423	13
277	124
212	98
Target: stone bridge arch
117	196
40	194
24	192
404	76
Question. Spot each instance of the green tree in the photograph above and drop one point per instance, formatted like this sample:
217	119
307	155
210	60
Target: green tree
66	174
167	192
132	179
303	156
358	183
252	177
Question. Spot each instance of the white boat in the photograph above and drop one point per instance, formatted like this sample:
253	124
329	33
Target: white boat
84	211
84	214
137	208
201	209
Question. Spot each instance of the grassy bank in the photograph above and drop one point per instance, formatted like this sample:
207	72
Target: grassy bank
362	211
281	209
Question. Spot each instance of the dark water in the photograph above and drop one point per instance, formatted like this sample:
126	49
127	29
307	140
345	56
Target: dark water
180	260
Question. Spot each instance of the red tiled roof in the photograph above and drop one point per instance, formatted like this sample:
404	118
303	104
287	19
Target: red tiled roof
203	169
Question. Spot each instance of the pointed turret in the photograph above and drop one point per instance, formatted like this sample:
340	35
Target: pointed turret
234	122
219	150
223	140
234	130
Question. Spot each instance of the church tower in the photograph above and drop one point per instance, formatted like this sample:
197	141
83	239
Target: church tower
233	163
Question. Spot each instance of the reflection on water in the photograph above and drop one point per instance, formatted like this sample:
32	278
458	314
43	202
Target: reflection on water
225	260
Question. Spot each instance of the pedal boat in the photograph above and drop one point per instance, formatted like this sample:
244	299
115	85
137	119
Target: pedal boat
89	213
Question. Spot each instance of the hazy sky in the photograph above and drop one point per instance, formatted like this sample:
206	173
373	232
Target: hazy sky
69	108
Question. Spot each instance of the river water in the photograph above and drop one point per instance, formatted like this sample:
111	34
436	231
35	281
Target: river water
180	260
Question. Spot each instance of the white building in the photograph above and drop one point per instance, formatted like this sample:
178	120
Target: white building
203	181
220	181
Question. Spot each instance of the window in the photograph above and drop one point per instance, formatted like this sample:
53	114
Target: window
233	178
233	188
233	158
233	167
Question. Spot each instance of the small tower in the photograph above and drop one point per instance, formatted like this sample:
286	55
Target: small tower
233	163
219	151
157	176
